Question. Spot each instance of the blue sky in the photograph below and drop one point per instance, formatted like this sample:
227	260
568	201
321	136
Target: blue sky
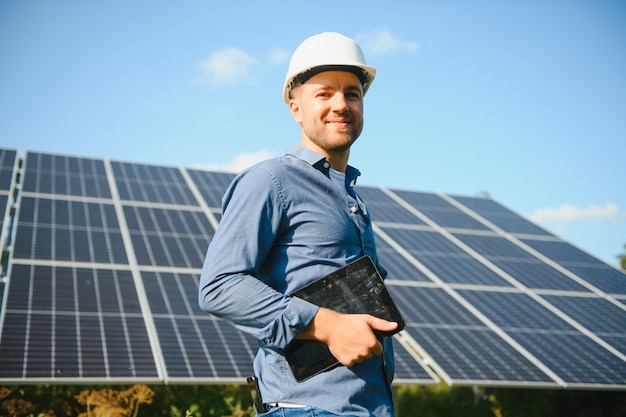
523	100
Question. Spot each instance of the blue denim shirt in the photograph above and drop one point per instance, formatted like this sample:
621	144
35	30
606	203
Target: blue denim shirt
285	224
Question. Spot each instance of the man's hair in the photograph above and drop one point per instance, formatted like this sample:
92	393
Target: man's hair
297	83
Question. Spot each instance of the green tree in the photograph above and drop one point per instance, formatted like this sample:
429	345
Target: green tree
622	259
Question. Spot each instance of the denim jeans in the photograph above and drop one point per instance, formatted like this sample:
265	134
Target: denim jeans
297	412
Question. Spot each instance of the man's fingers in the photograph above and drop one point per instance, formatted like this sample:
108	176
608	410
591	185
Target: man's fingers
378	350
351	338
383	325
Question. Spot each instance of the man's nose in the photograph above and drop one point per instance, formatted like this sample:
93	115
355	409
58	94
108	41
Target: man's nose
339	102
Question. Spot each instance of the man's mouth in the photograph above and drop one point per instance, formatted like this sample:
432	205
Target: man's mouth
339	122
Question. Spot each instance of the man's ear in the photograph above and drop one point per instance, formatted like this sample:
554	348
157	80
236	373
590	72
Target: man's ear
294	108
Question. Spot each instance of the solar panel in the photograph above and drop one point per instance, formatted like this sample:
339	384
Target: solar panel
65	175
63	230
167	237
8	178
73	323
139	182
499	272
501	217
104	257
195	345
211	186
7	169
570	353
464	349
99	249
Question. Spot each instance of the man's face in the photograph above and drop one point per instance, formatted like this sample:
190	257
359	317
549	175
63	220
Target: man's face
329	108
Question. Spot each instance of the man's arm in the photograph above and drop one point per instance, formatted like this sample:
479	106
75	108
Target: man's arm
229	287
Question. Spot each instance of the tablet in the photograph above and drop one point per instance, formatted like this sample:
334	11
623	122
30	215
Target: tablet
357	288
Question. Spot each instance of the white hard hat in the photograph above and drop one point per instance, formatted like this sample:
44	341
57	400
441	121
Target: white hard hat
328	51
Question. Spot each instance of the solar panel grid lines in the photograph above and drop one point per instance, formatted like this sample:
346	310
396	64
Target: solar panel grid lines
159	226
518	314
78	339
586	308
150	183
423	357
449	260
581	328
184	357
155	347
456	358
9	168
165	294
384	210
497	215
467	305
599	277
222	333
470	308
52	228
410	368
168	237
208	346
211	185
204	205
451	244
527	248
453	310
567	318
393	244
475	238
65	175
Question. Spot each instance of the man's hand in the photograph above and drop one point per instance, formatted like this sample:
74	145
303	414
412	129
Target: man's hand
349	337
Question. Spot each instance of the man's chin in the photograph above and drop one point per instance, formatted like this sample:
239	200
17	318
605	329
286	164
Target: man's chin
343	145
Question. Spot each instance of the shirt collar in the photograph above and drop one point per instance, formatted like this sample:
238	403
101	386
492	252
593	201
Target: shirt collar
320	163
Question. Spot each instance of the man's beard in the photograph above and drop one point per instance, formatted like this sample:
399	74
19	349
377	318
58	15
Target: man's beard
329	142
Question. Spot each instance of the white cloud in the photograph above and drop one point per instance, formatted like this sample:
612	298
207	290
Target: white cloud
382	42
278	56
570	213
226	67
241	161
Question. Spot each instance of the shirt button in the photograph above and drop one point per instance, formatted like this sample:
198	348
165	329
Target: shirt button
326	165
353	209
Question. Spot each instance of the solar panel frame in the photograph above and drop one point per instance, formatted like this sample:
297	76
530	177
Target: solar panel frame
151	225
168	238
384	209
150	183
439	210
8	178
83	177
212	185
409	367
501	216
469	356
441	326
76	236
42	300
528	321
174	305
480	244
8	165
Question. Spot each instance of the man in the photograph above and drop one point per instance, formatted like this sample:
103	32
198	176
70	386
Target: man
291	220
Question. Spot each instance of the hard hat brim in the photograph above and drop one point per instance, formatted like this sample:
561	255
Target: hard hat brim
365	73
